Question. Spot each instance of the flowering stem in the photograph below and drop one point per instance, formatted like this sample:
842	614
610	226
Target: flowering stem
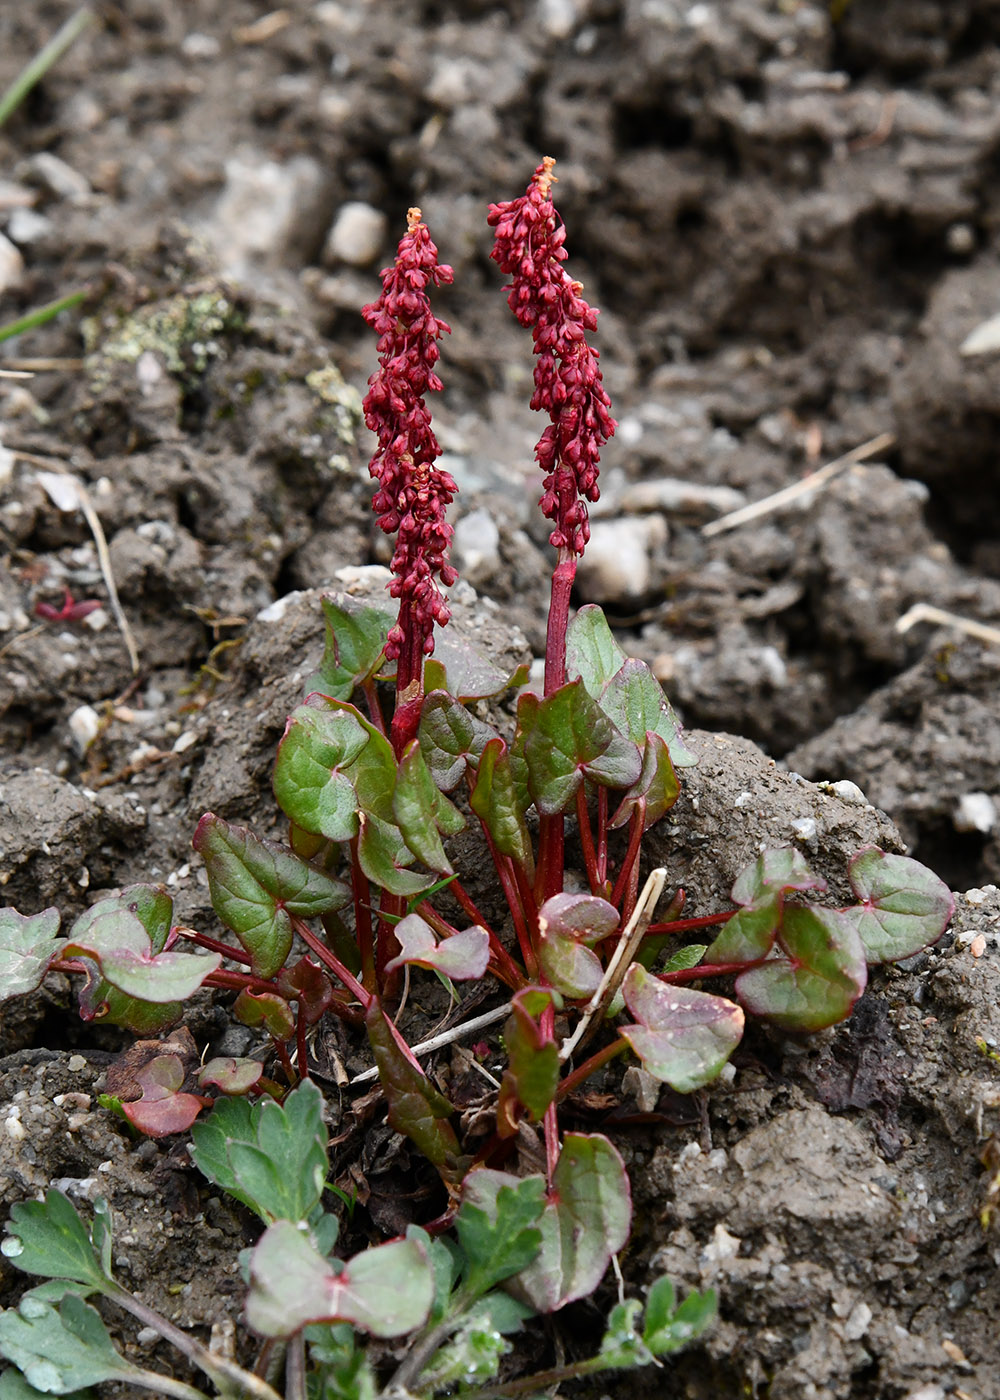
363	917
330	960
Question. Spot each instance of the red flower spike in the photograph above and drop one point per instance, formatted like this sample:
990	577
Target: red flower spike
413	495
529	249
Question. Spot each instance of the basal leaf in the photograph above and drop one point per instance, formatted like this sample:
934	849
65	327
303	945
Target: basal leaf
120	945
49	1239
28	943
586	1219
461	957
669	1327
451	739
495	801
775	872
386	1291
310	781
384	856
761	888
461	669
569	925
355	641
903	906
634	701
532	1054
416	1108
591	650
656	788
818	981
420	811
682	1036
622	1346
231	1074
265	1009
256	886
566	738
164	1107
61	1351
13	1386
497	1226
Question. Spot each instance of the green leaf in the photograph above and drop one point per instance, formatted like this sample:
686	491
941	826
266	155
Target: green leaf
818	982
683	1037
256	886
231	1074
634	701
566	739
271	1157
775	872
622	1346
688	956
355	641
342	1368
384	856
495	801
761	888
61	1351
586	1219
450	739
98	1000
569	925
164	1108
656	789
904	906
421	811
312	777
473	1353
668	1328
591	650
13	1386
28	943
49	1239
461	669
267	1010
151	905
497	1226
120	945
386	1291
461	957
416	1108
532	1055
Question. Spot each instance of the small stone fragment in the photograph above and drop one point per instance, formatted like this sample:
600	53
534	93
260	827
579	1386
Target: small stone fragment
476	546
11	265
618	564
356	235
84	726
975	811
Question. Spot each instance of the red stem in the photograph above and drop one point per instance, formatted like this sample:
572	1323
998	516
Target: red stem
692	974
213	944
370	691
300	1042
684	925
551	857
331	961
630	863
590	1066
587	841
602	837
241	982
363	918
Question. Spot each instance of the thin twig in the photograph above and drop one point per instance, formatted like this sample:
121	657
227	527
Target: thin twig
927	612
100	541
436	1042
798	488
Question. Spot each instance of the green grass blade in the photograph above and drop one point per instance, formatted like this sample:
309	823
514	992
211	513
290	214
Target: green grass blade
45	59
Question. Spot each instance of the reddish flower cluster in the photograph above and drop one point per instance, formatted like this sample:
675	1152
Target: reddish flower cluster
529	248
413	495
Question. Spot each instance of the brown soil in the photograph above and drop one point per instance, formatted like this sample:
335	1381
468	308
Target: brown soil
790	222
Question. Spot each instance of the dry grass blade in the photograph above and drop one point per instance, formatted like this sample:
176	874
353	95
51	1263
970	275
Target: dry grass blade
927	612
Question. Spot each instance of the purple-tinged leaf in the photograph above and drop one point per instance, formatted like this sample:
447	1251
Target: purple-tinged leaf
819	980
761	888
532	1075
355	640
310	781
256	886
231	1074
463	671
591	650
421	811
386	1291
450	739
163	1108
416	1108
682	1036
461	957
28	943
903	906
151	905
265	1009
495	801
567	738
384	856
120	945
634	701
585	1221
570	925
98	1000
309	985
656	788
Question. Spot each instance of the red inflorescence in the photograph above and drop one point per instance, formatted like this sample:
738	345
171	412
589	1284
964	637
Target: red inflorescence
413	495
529	249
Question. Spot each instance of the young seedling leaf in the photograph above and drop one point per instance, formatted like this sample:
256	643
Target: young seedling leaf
656	788
569	925
310	781
307	983
150	904
566	739
461	669
582	916
591	650
99	1001
270	1156
256	886
450	739
761	888
818	981
164	1108
473	1354
118	942
28	943
384	856
231	1074
496	803
904	906
421	811
416	1108
775	872
386	1291
586	1219
688	956
634	701
62	1350
622	1346
355	641
669	1327
683	1037
461	957
49	1239
532	1055
265	1009
497	1226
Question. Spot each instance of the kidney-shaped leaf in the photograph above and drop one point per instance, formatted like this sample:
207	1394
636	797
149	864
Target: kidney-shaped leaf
164	1108
309	779
257	885
230	1073
421	811
819	980
567	738
761	888
461	957
904	906
28	943
461	669
120	945
570	924
386	1291
355	639
495	801
682	1037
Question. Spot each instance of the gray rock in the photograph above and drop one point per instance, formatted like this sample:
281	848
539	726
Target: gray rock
356	235
618	566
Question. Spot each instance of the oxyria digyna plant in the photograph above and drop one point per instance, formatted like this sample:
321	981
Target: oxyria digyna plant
398	748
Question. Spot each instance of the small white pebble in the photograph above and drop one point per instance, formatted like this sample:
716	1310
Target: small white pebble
184	741
76	1064
849	792
146	1336
15	1129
